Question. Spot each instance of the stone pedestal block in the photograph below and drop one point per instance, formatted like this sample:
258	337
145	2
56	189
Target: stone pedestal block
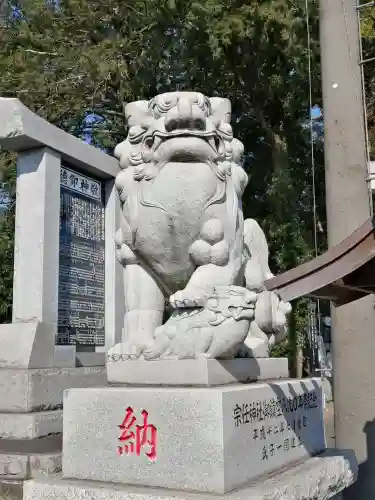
31	421
42	389
205	439
11	489
26	465
317	478
35	346
195	372
15	468
65	356
30	425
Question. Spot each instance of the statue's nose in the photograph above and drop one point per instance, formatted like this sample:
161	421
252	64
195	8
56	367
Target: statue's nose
185	115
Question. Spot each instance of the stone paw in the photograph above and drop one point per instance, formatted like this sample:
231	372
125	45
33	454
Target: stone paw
125	351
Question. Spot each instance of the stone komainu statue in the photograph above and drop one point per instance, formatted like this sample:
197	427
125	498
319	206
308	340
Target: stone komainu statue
183	242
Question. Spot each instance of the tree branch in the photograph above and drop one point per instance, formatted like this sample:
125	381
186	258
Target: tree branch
41	52
112	112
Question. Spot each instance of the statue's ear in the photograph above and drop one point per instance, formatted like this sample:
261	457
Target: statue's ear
138	113
221	110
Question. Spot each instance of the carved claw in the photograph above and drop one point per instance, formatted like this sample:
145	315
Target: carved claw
176	300
126	350
181	300
135	352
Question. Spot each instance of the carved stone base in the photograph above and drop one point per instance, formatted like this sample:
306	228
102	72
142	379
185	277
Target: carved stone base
211	440
317	478
196	372
31	421
23	466
23	391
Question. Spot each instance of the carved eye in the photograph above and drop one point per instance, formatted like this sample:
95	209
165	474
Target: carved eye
135	131
149	142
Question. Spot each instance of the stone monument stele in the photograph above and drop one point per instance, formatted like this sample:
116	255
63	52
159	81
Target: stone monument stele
180	414
64	311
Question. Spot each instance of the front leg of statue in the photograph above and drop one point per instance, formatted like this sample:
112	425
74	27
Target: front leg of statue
144	305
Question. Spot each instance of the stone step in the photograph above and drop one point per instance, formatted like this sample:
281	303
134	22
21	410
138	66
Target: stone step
23	391
317	478
11	489
21	466
30	425
46	444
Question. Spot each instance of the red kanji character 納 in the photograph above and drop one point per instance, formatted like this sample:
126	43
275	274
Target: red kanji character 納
142	435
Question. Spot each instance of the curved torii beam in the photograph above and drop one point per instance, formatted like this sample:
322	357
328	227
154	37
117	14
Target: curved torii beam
342	274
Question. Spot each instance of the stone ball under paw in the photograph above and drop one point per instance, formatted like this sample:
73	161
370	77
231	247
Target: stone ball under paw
212	231
200	252
220	253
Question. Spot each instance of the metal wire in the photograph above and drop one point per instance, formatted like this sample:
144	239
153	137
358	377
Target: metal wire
365	5
312	142
312	149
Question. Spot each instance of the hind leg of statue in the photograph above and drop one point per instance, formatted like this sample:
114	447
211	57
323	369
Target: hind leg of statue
144	305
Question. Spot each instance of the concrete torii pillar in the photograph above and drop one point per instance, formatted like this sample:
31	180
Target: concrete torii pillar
348	206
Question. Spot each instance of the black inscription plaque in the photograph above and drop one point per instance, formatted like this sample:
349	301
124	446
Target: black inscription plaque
81	269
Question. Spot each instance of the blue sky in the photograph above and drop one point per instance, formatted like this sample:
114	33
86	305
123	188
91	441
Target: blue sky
316	112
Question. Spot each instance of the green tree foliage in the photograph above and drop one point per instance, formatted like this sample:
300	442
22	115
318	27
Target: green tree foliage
6	264
7	210
368	52
68	59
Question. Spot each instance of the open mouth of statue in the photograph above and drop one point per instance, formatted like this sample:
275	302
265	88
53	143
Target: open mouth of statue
186	144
